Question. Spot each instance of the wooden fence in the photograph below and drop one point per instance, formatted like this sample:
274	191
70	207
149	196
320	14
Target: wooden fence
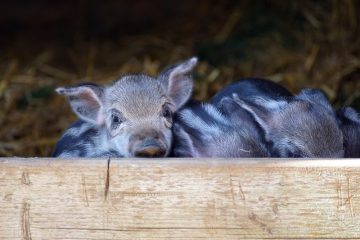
179	199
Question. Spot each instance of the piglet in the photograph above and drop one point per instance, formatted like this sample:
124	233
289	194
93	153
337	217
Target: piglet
301	126
132	117
222	130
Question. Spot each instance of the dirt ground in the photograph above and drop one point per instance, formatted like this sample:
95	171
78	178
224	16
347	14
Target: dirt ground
45	44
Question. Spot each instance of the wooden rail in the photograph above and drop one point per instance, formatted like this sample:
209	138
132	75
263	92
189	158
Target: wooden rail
179	199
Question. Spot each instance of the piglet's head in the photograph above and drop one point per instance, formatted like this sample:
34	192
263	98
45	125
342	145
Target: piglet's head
136	111
303	126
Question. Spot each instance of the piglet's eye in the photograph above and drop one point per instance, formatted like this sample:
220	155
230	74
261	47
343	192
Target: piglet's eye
166	112
116	119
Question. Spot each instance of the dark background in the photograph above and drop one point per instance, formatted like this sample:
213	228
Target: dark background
45	44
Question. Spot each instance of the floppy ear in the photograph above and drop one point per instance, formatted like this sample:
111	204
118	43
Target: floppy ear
315	96
86	101
178	81
263	110
233	111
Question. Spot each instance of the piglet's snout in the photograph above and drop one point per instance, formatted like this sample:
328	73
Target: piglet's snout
150	148
148	144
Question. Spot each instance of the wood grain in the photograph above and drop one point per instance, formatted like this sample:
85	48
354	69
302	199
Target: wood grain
179	199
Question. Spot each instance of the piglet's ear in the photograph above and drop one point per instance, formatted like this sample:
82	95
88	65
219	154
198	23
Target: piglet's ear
86	101
178	81
315	96
231	109
263	110
227	105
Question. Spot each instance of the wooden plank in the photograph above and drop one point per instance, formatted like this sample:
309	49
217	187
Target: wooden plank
179	199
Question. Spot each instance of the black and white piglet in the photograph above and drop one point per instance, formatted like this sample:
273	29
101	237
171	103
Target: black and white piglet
304	125
221	130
